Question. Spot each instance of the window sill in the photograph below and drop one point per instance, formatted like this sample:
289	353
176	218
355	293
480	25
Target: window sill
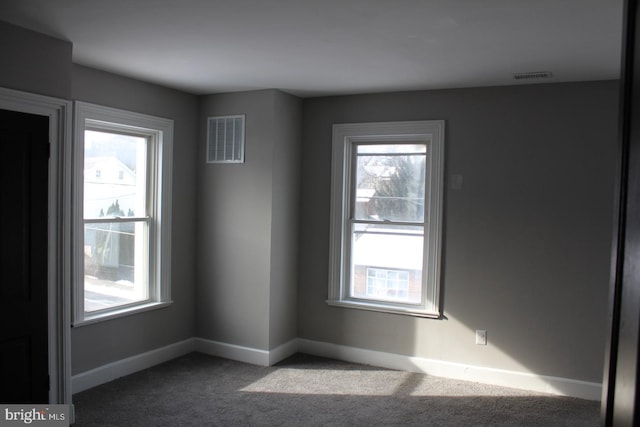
117	313
384	308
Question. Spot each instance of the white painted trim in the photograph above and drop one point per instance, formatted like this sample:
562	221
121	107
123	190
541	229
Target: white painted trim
501	377
130	365
59	112
122	312
283	351
345	137
160	131
250	355
440	368
111	371
240	353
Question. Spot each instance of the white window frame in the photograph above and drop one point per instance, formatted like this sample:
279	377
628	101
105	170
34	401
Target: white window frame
159	133
345	136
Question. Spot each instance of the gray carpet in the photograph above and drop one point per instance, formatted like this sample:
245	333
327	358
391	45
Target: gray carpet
201	390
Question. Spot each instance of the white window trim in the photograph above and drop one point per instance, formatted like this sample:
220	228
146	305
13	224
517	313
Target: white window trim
160	240
430	132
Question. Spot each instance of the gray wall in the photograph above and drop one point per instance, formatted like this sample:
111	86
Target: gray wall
247	227
33	62
287	117
40	64
101	343
526	241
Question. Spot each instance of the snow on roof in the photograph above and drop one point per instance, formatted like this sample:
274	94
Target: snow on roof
391	251
364	194
93	162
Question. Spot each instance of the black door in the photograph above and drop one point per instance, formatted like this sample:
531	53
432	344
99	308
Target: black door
24	162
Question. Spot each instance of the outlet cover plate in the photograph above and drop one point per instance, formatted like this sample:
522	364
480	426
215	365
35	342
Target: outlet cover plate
481	337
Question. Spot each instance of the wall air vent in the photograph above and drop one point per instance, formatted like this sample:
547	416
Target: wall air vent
225	139
533	75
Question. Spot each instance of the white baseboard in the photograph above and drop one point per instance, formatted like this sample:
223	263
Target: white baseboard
283	351
440	368
130	365
250	355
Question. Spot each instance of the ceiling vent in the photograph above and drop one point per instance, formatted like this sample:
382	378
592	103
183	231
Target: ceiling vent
225	139
533	75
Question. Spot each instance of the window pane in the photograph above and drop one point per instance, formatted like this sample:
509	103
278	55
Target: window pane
390	187
390	285
114	175
391	148
387	263
115	266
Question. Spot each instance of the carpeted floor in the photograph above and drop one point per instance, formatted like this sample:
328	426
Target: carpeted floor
201	390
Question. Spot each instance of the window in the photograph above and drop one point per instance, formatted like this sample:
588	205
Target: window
122	220
386	215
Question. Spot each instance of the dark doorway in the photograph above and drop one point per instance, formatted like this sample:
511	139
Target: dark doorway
24	158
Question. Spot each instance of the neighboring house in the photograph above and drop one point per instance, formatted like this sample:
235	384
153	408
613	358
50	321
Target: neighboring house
107	179
390	278
108	248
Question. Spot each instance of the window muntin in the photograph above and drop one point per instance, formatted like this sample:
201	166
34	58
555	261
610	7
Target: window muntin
386	216
122	210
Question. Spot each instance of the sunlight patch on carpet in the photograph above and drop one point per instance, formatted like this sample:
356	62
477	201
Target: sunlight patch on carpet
368	383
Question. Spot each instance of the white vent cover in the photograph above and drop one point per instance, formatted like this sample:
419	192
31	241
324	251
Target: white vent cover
225	139
533	75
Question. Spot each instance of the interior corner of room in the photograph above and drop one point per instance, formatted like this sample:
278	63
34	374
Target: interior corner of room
530	176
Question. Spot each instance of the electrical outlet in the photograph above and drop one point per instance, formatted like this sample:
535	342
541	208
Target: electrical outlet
481	337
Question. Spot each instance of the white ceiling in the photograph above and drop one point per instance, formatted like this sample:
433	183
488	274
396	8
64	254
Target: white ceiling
327	47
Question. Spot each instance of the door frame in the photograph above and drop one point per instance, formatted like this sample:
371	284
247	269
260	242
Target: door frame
59	260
